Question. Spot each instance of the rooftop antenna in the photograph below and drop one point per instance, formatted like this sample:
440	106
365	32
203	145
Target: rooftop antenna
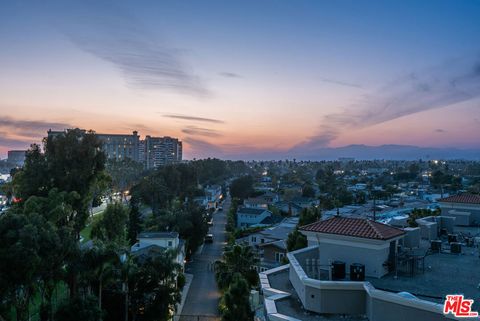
374	208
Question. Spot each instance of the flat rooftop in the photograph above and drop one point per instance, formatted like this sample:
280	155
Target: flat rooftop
444	274
292	306
441	274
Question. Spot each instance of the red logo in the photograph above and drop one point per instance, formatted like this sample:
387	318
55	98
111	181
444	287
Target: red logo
459	306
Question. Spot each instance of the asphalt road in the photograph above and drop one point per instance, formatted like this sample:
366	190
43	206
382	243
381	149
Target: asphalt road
203	296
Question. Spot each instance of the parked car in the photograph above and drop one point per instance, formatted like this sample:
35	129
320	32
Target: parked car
209	238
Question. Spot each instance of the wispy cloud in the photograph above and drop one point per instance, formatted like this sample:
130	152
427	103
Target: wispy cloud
440	130
202	148
194	118
20	133
341	83
32	128
10	142
229	74
136	126
114	35
447	84
199	131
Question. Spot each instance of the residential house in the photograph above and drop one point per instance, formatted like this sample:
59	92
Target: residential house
256	202
150	243
273	254
295	206
247	217
270	243
289	207
214	195
306	202
464	207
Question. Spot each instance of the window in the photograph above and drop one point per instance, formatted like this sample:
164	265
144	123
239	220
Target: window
262	241
254	239
170	243
279	256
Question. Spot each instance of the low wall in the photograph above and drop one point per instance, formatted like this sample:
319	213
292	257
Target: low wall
335	297
297	273
357	298
382	305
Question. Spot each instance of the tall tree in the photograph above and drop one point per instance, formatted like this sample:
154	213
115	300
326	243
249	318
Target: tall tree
236	304
236	259
100	262
153	291
242	187
72	162
112	225
309	215
125	173
79	309
134	220
296	240
19	262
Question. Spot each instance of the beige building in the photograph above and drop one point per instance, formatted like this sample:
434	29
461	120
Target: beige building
464	207
355	240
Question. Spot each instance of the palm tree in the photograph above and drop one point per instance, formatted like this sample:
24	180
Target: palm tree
153	288
236	259
128	270
100	262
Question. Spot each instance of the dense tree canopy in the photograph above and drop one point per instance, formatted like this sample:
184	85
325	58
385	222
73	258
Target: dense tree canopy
296	240
153	288
124	173
111	227
309	215
242	187
79	309
39	247
71	162
235	303
236	259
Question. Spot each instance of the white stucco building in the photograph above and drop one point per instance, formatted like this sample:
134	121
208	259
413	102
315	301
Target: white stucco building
355	240
149	242
247	217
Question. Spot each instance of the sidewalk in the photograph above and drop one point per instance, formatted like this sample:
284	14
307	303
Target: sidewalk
188	282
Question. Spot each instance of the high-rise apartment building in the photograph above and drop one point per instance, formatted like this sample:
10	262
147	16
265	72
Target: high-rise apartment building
152	151
162	151
120	146
16	157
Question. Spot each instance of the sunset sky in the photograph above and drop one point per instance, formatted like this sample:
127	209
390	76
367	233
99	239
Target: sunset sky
231	78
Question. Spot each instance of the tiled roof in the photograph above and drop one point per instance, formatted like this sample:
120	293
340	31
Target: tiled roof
462	198
356	227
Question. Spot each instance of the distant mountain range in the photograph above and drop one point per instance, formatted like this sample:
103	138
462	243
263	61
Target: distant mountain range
393	152
365	152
